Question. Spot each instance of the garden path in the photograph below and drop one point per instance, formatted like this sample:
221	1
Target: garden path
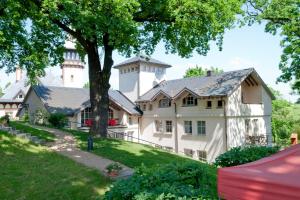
65	144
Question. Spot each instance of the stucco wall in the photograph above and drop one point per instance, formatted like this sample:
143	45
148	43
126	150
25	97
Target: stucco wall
76	81
128	81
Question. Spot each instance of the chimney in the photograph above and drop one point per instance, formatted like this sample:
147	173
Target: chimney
18	74
208	73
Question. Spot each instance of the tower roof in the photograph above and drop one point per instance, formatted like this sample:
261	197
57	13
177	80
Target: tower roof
142	59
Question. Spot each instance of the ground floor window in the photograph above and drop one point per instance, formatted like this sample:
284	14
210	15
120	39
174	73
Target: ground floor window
85	115
201	127
202	155
158	126
188	128
110	114
169	126
188	152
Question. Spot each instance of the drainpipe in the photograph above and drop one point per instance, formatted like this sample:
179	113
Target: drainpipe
225	125
176	132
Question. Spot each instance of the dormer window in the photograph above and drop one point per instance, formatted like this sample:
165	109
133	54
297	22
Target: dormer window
164	103
189	101
20	96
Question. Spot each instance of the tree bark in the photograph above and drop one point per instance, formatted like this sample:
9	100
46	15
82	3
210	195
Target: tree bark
99	86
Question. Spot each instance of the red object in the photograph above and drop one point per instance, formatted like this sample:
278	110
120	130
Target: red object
88	122
112	122
276	177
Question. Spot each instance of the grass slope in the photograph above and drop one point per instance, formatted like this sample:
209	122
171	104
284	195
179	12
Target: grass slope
128	153
49	137
32	172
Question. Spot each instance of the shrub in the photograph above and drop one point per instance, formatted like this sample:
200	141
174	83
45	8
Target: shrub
114	167
40	116
242	155
58	120
4	120
189	180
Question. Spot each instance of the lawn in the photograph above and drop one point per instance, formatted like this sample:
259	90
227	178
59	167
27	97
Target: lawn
32	172
128	153
49	137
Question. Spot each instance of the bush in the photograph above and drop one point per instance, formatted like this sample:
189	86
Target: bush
242	155
189	180
58	120
4	120
40	116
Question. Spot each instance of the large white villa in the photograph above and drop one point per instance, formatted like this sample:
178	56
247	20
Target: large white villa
200	117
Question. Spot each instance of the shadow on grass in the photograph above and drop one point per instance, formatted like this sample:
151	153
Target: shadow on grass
32	172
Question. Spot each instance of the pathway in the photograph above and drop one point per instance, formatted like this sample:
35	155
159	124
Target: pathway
65	144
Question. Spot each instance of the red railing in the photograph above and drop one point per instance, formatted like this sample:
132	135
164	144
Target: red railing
111	122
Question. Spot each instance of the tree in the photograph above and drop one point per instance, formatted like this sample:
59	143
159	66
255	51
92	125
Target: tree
199	71
1	92
281	16
33	33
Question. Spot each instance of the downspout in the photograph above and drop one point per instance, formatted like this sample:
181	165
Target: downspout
176	131
225	124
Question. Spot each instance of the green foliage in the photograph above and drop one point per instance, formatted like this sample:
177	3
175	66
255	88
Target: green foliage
113	167
4	120
282	16
45	135
188	180
1	92
58	120
199	71
40	116
242	155
86	85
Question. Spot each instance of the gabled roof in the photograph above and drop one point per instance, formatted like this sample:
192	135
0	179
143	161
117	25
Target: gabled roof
71	100
205	86
142	59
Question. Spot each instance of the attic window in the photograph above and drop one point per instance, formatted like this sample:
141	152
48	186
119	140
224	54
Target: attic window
20	96
189	101
208	104
164	103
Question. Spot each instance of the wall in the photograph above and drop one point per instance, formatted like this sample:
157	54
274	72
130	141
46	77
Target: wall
128	81
8	108
214	140
77	73
239	112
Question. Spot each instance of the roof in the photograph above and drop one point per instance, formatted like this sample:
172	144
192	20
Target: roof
206	86
71	100
10	100
23	85
143	59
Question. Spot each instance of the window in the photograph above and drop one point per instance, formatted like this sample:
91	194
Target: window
150	106
247	126
85	115
130	121
188	128
255	127
220	104
188	152
72	78
144	107
132	69
208	104
110	114
20	96
169	126
202	155
201	127
158	126
164	103
189	101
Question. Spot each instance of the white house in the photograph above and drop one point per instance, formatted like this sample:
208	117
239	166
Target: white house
200	117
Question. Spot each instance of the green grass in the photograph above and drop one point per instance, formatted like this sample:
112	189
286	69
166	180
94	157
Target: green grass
128	153
49	137
32	172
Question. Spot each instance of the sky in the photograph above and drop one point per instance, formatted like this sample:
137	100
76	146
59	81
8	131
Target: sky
245	47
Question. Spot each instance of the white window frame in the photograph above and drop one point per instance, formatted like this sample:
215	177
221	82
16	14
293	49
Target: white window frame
201	127
164	103
158	126
188	125
169	126
189	100
202	155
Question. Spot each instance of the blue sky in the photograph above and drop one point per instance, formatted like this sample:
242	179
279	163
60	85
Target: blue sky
242	48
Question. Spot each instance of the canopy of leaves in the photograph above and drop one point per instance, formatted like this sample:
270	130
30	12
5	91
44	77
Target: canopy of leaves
282	16
199	71
32	33
1	92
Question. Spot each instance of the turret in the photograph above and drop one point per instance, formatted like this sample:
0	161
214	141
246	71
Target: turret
139	74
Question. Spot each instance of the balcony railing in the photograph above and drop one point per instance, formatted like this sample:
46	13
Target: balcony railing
257	139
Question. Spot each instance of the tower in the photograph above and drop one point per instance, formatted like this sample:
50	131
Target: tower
139	74
72	69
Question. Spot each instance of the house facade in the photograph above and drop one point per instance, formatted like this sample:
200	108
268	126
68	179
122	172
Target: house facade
200	117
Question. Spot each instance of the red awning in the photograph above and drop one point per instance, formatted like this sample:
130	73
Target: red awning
276	177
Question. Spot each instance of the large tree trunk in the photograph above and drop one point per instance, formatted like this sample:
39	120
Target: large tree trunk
99	87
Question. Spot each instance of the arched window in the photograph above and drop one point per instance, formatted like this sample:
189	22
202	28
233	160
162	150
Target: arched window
189	101
110	114
164	103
